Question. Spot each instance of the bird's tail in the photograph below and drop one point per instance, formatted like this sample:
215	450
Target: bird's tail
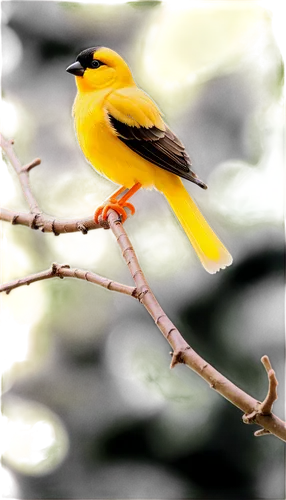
210	250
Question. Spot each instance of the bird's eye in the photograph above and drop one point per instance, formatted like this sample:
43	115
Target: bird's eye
95	64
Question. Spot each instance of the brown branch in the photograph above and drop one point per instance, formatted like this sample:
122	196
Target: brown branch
65	271
48	224
22	172
255	412
182	352
35	219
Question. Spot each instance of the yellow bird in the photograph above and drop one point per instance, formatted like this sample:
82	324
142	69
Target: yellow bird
122	134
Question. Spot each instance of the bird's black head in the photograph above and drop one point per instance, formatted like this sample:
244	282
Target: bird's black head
85	59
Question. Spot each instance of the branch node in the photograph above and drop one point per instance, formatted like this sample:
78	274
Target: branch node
159	317
14	220
104	222
261	432
178	356
53	228
34	224
139	271
140	294
126	250
249	418
81	227
170	331
55	269
109	285
122	235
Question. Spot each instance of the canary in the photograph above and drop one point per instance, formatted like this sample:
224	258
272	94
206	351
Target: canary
122	134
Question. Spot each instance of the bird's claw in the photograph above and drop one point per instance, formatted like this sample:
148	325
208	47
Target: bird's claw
130	207
101	212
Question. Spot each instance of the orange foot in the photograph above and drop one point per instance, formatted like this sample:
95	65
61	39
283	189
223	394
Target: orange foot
118	205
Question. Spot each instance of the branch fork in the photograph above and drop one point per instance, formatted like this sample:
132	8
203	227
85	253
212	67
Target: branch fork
264	408
182	353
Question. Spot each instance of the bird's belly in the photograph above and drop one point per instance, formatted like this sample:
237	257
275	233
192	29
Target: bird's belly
112	158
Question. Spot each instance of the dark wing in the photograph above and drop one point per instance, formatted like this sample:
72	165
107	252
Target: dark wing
160	147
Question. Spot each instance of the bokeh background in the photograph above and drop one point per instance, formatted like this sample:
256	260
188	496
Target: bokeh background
90	406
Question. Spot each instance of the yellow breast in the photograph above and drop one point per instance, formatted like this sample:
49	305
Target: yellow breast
103	149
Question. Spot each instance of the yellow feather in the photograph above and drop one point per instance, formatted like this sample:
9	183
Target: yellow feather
210	250
110	89
133	107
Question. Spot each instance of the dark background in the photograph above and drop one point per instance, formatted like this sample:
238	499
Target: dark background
90	406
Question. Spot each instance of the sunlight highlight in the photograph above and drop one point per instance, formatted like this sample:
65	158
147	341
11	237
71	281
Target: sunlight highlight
199	52
20	443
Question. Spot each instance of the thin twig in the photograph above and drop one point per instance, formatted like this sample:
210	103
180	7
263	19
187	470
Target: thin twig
32	164
36	219
182	352
266	405
65	271
23	173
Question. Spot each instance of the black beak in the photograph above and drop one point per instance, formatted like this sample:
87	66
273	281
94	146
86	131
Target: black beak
76	69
